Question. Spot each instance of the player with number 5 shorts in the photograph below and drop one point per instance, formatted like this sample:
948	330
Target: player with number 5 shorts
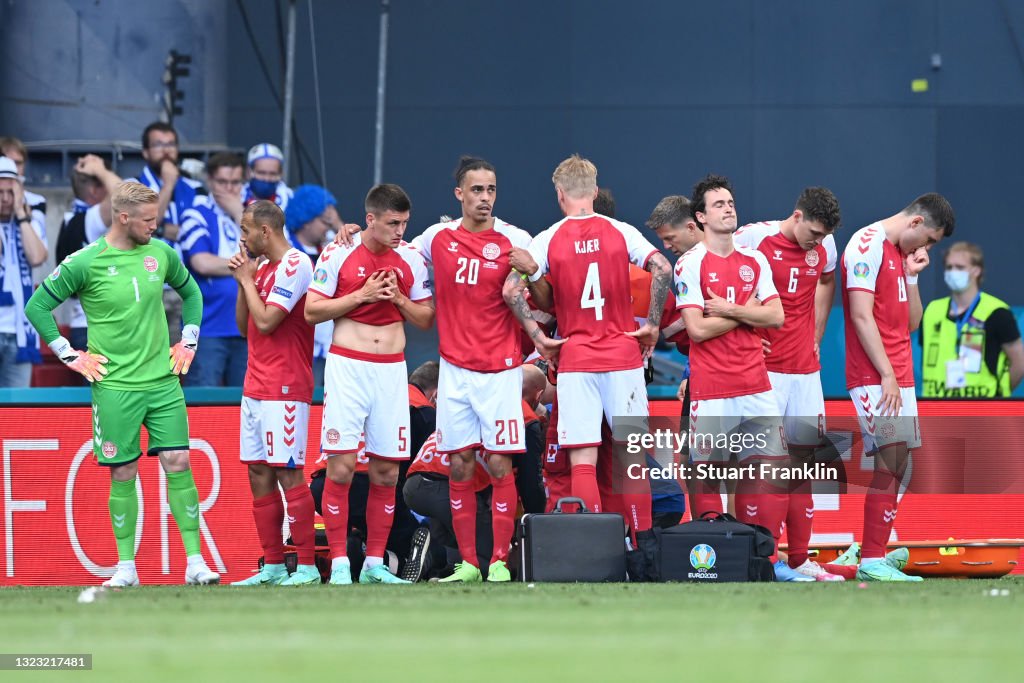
369	289
119	280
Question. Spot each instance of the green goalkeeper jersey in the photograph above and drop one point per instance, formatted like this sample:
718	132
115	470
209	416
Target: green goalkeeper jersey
121	293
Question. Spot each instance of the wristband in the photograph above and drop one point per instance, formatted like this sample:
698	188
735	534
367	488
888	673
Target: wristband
190	336
911	279
61	348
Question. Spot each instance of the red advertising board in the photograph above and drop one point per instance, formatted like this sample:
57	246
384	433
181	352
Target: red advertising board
56	529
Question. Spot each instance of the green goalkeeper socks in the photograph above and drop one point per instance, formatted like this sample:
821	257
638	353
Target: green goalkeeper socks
184	501
124	513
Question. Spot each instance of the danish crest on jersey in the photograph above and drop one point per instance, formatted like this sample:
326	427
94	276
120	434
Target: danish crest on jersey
861	269
811	258
746	273
333	437
109	449
150	264
491	251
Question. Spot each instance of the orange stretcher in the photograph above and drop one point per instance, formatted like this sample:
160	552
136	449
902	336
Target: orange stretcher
953	558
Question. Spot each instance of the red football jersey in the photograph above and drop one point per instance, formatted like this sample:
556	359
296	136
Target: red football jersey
429	460
796	274
588	260
343	270
281	363
476	329
871	263
731	364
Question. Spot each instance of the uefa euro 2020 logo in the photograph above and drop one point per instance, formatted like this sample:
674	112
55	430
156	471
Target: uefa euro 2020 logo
703	557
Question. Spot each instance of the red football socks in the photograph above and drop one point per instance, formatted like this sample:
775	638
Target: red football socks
300	522
584	486
879	514
462	498
380	515
799	519
268	511
335	514
504	500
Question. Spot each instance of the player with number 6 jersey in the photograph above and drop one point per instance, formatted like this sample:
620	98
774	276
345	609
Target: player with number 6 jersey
369	289
801	253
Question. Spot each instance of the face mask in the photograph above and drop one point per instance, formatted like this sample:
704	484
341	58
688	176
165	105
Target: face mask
957	280
262	189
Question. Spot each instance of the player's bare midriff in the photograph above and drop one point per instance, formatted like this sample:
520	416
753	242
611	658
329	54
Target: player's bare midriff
378	339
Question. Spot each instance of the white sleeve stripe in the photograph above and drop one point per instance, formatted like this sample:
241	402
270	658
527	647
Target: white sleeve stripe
189	241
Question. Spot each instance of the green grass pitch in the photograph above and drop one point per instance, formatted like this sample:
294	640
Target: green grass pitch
941	630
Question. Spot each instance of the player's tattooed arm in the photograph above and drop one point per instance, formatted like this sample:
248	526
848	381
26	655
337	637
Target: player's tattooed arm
514	298
661	282
540	291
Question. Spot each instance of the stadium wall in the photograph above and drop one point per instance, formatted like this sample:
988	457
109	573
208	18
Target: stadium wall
56	526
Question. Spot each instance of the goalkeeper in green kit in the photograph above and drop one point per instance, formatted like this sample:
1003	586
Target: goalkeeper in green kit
119	280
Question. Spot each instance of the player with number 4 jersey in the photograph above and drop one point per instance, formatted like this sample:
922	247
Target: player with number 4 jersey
586	258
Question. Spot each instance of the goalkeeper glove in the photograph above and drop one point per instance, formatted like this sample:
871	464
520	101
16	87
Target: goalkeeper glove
88	365
184	351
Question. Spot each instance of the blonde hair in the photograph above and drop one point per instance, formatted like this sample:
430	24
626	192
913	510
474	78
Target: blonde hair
129	194
576	176
973	251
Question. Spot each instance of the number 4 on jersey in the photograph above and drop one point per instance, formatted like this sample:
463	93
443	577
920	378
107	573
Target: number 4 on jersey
592	292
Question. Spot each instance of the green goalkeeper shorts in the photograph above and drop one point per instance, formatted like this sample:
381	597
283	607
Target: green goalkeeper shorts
117	417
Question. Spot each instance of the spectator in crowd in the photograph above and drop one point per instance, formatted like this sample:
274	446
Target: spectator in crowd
209	238
24	247
311	215
161	174
266	170
971	342
15	150
87	221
